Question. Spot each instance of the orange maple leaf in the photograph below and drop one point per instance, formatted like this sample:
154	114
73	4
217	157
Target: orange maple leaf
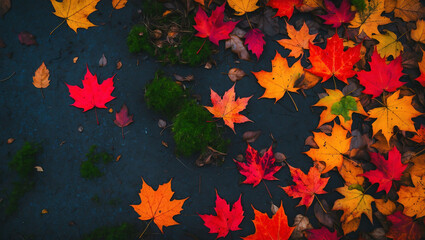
270	228
158	206
298	40
227	108
413	198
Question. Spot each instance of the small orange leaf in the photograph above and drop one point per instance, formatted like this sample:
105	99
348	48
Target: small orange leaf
41	77
298	40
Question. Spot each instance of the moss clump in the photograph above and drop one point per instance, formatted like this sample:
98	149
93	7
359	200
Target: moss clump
88	169
190	47
24	160
124	231
164	95
139	40
194	130
18	191
359	4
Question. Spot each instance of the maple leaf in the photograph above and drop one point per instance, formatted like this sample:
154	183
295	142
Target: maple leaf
227	108
386	207
41	78
331	148
118	4
281	79
413	198
337	16
408	10
255	42
226	219
122	119
386	171
75	12
395	112
258	168
403	227
354	204
420	137
418	168
388	44
274	228
243	6
306	185
158	206
370	18
418	34
421	78
338	105
322	233
333	60
285	7
382	76
213	27
298	40
351	172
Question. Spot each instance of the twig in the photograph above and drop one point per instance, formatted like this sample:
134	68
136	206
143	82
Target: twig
295	105
11	75
57	26
267	189
246	15
201	46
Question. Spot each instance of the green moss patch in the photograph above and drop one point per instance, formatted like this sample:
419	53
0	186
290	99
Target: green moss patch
88	168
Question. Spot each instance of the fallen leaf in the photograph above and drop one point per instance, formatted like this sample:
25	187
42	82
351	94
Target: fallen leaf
27	38
418	168
385	207
243	6
103	61
279	157
251	136
111	110
258	168
237	46
285	7
310	5
309	141
118	4
351	172
404	227
188	78
255	42
119	65
10	140
322	234
337	16
158	206
41	77
4	7
350	226
370	18
236	74
75	59
39	169
301	224
388	44
227	108
354	203
327	218
418	34
123	119
421	64
226	219
75	12
298	40
164	144
44	211
408	10
413	198
162	123
118	158
307	81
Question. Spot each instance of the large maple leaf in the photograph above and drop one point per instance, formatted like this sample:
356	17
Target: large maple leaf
226	219
388	44
213	27
338	105
306	185
227	108
243	6
254	40
413	198
285	7
331	148
404	227
333	60
408	10
395	112
370	18
382	76
337	16
75	12
354	203
274	228
158	206
258	168
281	79
298	40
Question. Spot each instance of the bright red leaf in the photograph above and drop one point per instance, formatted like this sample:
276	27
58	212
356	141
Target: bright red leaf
322	234
258	168
122	118
403	227
386	170
306	185
213	27
337	16
285	7
333	60
254	40
226	219
382	76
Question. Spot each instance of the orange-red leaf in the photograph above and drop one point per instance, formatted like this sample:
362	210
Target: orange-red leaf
285	7
403	227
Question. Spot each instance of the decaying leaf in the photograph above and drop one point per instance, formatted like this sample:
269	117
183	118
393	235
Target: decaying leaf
301	223
236	74
27	38
237	46
103	61
251	136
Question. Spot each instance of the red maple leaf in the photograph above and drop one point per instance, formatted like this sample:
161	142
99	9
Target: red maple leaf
213	27
226	219
420	137
306	185
254	40
258	168
333	60
285	7
386	170
382	76
403	227
322	234
337	16
122	118
92	94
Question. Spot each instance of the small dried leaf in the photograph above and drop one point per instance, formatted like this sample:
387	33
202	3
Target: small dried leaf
309	141
119	65
280	157
38	168
10	140
273	208
111	110
75	59
308	81
80	129
326	129
157	34
208	65
240	158
118	158
27	38
188	78
328	219
302	223
164	144
162	123
44	211
236	74
251	136
103	61
237	46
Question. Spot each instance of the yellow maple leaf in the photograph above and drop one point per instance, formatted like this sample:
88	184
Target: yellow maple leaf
354	204
281	79
298	40
118	4
418	34
386	207
395	112
351	172
158	206
388	44
408	10
41	77
418	168
331	148
243	6
335	97
370	18
413	198
75	12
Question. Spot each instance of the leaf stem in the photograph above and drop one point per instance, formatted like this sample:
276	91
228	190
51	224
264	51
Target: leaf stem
246	15
57	26
320	203
95	112
42	94
122	132
333	77
10	76
295	105
201	47
267	189
146	228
